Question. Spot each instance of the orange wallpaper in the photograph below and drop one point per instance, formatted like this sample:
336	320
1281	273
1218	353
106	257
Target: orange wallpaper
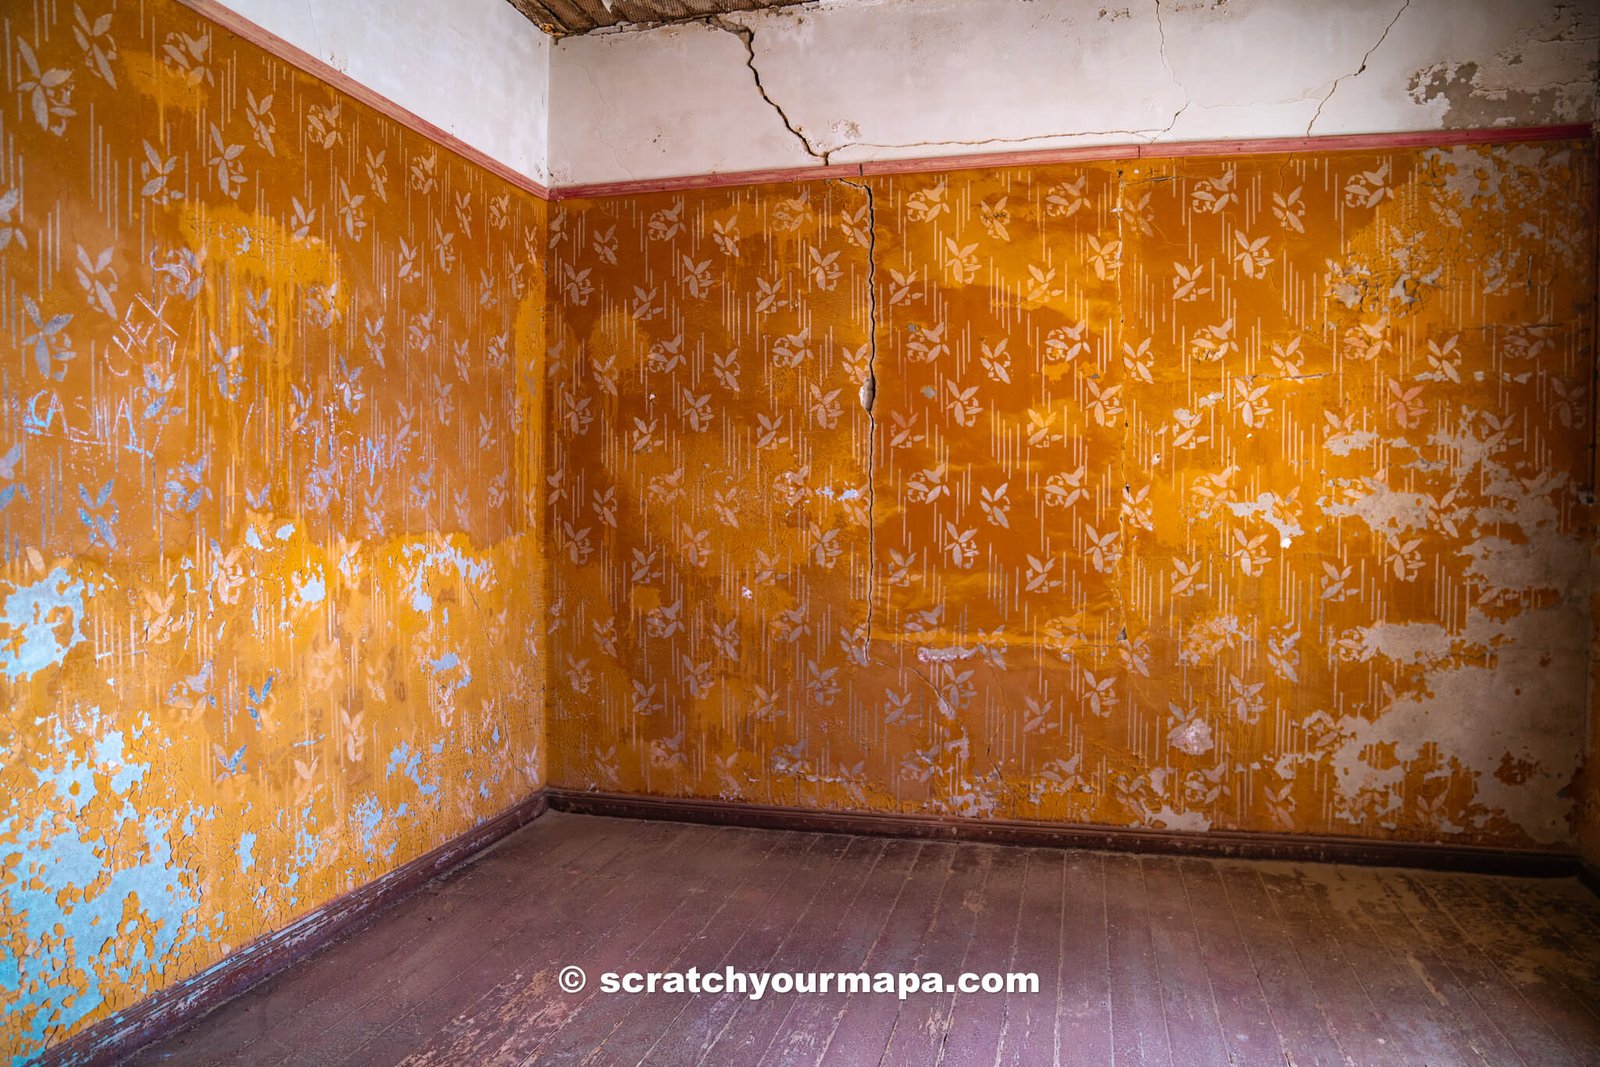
1235	492
268	501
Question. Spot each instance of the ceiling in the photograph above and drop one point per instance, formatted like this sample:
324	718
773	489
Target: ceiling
564	18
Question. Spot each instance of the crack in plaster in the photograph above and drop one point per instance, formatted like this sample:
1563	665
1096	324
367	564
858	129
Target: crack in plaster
1368	55
1161	32
748	36
1147	133
599	127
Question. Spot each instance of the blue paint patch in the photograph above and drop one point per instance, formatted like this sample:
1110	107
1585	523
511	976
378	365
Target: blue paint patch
109	748
307	846
31	636
368	816
404	759
233	764
402	756
451	661
312	591
52	860
422	558
108	752
247	844
73	782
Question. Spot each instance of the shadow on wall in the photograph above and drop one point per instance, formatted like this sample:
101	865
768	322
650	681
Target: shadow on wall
1243	493
267	494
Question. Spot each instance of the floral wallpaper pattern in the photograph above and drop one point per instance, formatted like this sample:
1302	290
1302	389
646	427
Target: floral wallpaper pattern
270	556
1247	493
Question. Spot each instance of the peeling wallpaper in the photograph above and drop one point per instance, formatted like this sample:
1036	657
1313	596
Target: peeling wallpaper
1246	493
270	524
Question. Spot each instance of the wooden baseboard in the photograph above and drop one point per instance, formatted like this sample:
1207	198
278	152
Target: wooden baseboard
171	1009
1589	875
1220	843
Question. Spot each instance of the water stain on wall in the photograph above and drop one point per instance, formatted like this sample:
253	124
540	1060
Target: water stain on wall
1246	493
269	500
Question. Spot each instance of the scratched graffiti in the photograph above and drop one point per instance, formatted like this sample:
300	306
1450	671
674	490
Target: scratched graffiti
1226	493
266	493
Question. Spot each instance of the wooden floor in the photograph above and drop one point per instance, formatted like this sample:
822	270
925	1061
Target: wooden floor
1142	960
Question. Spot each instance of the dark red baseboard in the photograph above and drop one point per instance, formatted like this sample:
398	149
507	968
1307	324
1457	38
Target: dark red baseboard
176	1006
1220	843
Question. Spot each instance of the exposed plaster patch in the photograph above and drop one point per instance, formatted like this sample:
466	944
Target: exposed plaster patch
1384	510
1547	560
1478	716
1192	737
1469	103
1265	508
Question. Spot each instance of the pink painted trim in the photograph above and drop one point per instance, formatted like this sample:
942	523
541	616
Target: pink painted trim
1087	153
645	186
270	42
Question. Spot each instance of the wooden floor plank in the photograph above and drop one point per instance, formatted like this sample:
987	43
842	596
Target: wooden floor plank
863	1030
1562	945
270	1019
1505	942
1152	959
975	1021
1047	947
1352	1019
1421	1019
589	1030
458	976
811	946
1139	1036
705	1023
1409	937
919	1028
1527	1034
805	1030
1241	1006
1191	1011
1296	1012
639	1028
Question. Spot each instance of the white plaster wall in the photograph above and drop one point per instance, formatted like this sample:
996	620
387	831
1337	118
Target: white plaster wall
883	79
475	68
